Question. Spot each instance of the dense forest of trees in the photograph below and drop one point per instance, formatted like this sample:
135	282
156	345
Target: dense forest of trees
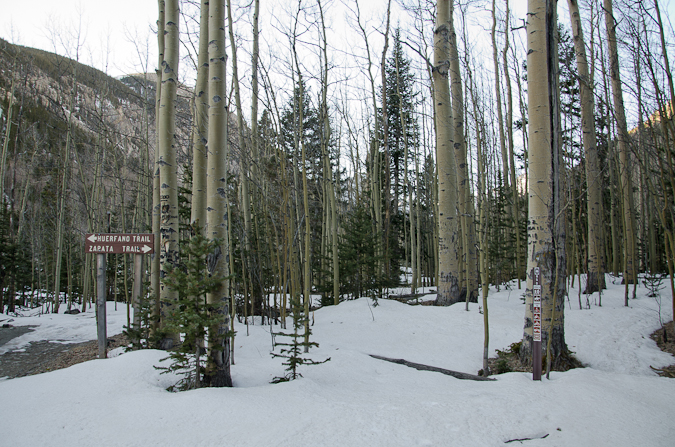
344	166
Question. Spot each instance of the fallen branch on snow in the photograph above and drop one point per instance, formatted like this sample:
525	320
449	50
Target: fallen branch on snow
409	296
421	367
663	372
526	439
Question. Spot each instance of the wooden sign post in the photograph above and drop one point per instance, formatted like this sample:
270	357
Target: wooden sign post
536	323
101	329
120	243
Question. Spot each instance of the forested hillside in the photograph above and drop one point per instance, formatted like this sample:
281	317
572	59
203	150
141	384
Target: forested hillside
75	160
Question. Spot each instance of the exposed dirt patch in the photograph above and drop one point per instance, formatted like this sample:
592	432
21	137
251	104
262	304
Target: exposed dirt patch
509	361
45	356
665	341
8	332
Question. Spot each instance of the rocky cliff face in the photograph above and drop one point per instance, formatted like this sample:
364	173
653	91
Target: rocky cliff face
109	124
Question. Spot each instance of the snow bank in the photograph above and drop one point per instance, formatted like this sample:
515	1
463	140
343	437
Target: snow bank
355	400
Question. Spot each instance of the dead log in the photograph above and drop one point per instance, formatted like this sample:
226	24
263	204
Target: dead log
421	367
407	298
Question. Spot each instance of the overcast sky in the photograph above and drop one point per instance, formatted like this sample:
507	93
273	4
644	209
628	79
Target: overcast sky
33	23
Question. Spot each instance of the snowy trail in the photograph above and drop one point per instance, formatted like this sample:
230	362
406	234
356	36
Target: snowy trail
64	328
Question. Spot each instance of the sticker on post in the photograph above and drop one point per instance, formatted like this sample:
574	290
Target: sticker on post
536	327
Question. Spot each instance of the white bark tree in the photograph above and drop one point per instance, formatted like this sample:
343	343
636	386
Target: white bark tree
200	125
167	162
448	285
596	265
546	247
217	218
630	263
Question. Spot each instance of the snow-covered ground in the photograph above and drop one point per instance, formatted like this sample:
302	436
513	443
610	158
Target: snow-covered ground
355	400
62	328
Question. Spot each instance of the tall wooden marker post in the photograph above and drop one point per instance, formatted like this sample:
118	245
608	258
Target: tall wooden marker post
536	323
120	243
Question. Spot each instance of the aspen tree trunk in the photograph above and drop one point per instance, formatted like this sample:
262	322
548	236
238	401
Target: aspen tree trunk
596	265
406	183
254	86
448	286
8	132
546	249
62	202
255	150
374	155
418	228
387	154
615	208
123	228
217	219
468	262
295	242
498	93
482	228
287	238
630	265
244	158
515	209
436	243
325	205
228	209
482	234
138	227
254	147
156	205
300	140
523	112
500	115
329	170
612	247
91	202
669	246
670	243
168	169
200	128
307	270
24	199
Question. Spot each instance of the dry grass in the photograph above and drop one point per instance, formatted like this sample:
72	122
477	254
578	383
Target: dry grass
665	339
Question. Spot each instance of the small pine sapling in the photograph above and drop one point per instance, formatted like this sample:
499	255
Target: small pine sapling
191	315
292	351
654	283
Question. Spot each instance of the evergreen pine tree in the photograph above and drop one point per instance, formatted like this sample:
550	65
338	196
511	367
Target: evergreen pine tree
142	336
358	255
400	101
293	350
191	315
15	263
501	239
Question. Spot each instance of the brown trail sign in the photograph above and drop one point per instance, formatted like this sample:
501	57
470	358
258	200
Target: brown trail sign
101	244
119	243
